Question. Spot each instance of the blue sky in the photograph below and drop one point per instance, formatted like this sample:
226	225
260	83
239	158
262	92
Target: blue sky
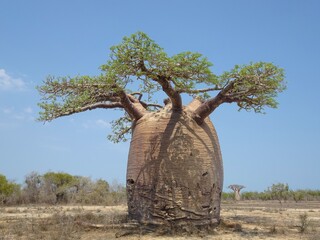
72	37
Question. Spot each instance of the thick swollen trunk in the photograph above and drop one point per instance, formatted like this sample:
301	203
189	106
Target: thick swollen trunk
237	195
174	173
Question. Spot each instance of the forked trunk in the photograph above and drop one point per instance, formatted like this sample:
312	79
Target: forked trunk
175	172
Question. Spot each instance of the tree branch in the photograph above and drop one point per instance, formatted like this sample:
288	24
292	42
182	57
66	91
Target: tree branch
119	135
143	104
66	96
171	92
61	111
133	111
166	86
102	105
252	87
195	91
206	108
151	105
137	93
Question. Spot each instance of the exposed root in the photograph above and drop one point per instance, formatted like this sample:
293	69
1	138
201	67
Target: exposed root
125	229
108	226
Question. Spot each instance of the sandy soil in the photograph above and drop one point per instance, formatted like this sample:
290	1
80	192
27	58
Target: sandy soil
240	220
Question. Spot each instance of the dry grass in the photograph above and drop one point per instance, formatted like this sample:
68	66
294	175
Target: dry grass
242	220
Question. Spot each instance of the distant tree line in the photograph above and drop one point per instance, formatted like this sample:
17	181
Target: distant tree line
61	188
64	188
279	191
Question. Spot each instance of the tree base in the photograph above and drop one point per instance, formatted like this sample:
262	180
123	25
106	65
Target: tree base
170	228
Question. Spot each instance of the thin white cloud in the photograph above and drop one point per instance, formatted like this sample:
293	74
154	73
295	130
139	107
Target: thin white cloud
25	114
28	110
8	82
96	124
19	116
103	123
7	110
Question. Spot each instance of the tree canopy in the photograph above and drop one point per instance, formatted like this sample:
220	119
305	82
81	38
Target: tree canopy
236	187
138	68
6	187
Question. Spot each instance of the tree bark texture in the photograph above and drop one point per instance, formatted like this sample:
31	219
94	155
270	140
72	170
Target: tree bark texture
175	171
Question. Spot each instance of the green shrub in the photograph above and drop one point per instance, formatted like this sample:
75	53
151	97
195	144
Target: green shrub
7	189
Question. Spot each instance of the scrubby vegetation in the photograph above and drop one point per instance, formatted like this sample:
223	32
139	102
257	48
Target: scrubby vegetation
280	192
64	188
7	189
61	188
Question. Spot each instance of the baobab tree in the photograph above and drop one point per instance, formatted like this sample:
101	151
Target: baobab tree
174	172
236	189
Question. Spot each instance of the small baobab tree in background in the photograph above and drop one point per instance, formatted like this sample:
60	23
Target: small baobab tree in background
174	173
236	189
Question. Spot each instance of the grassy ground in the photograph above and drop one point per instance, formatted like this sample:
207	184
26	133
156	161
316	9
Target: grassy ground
241	220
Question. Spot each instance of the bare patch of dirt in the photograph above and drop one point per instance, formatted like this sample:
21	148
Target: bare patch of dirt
240	220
